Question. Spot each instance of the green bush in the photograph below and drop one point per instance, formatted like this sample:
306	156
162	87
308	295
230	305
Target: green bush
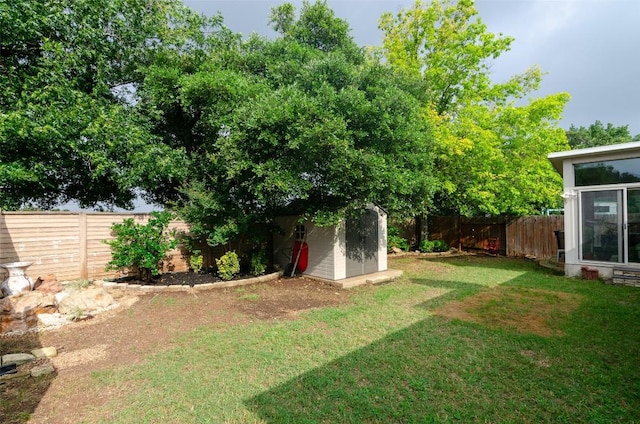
427	246
440	246
258	263
228	265
141	246
195	261
394	240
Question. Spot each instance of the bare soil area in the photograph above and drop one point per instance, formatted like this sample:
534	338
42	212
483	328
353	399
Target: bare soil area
141	325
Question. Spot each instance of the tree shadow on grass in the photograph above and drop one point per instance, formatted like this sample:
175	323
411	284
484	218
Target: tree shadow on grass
439	370
454	370
436	371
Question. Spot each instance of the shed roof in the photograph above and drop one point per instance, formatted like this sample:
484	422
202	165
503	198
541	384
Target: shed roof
557	158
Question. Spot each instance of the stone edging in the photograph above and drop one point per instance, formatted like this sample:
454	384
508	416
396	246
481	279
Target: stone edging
108	285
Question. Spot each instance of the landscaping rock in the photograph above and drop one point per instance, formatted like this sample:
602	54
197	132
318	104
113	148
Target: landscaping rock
17	358
45	352
52	320
43	369
91	299
48	284
19	313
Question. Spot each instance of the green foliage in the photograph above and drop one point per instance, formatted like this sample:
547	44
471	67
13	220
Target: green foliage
426	246
394	240
69	129
491	146
440	246
141	246
597	134
228	265
196	261
303	123
258	265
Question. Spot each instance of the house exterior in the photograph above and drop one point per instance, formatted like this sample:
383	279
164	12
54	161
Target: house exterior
602	208
355	247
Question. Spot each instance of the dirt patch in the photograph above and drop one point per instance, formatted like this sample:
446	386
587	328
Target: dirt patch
141	325
517	309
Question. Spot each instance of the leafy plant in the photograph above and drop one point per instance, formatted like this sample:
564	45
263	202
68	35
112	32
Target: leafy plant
426	246
228	265
440	246
258	263
195	261
395	240
141	246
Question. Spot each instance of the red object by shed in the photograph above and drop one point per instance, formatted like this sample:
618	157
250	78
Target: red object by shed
301	248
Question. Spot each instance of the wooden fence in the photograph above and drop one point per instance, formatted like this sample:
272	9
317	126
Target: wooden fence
520	236
68	245
533	236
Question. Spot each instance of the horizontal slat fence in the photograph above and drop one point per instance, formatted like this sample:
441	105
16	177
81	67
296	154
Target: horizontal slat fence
68	244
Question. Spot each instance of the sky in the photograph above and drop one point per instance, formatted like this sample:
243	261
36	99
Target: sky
587	48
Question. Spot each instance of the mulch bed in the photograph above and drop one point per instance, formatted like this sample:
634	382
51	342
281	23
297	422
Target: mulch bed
185	278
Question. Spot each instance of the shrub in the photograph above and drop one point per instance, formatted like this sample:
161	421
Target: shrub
141	246
228	265
440	246
195	261
394	240
258	263
427	246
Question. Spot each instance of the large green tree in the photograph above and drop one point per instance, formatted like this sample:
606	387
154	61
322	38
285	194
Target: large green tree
491	143
68	73
597	134
301	123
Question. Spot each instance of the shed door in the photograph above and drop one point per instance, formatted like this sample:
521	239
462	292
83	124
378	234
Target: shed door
362	244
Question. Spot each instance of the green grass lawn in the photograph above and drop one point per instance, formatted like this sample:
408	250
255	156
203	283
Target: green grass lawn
469	339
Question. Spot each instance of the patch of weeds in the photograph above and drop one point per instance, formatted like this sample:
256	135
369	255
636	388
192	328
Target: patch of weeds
246	295
77	314
163	300
78	284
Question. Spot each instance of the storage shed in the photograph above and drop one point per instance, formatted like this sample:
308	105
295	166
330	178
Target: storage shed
602	210
355	247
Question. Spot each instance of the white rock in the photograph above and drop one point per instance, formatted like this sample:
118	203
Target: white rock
60	296
17	358
91	299
52	320
45	352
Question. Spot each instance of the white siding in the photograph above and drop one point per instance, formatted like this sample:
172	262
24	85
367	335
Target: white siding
340	254
382	240
327	247
322	242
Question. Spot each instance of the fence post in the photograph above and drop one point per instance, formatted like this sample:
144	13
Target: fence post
82	232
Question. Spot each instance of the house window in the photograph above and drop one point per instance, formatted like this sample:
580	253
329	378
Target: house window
607	172
610	225
300	230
